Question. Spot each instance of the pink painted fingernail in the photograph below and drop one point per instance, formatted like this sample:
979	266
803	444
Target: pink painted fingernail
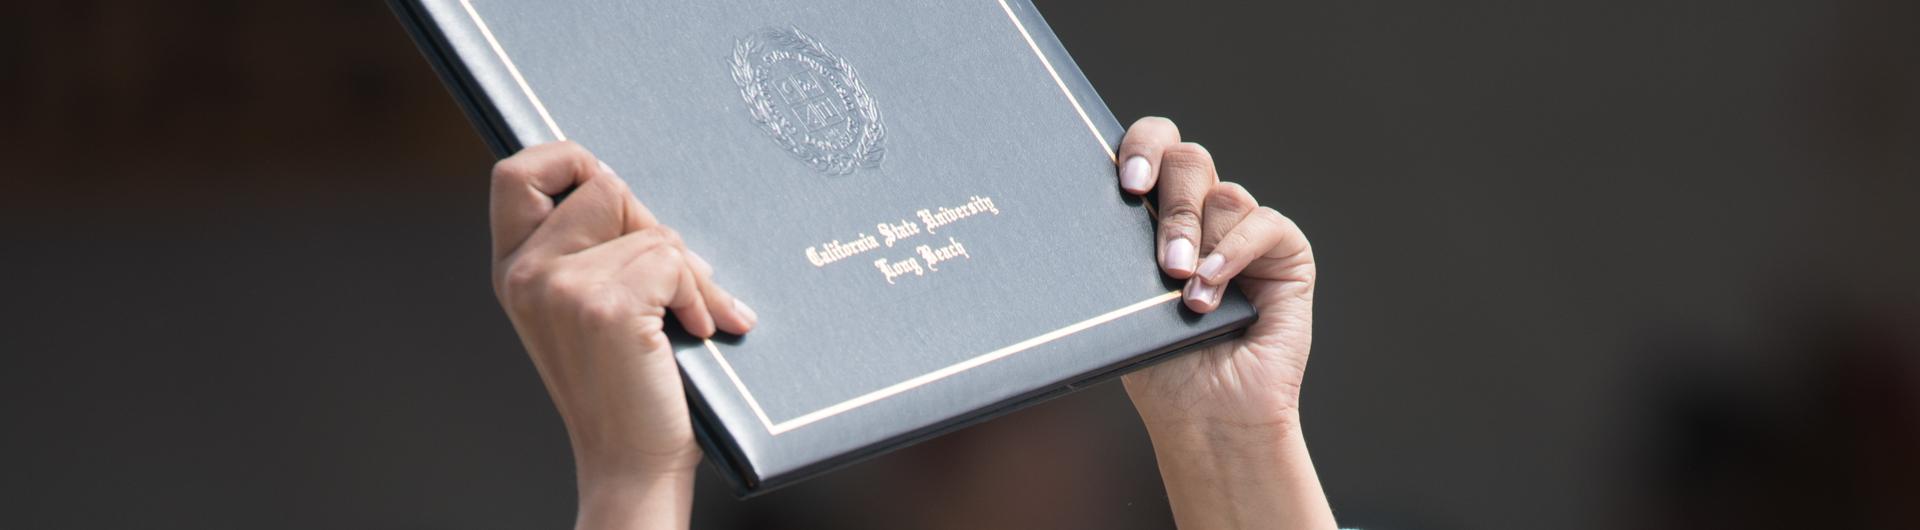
1202	292
1179	256
1133	174
1211	266
741	307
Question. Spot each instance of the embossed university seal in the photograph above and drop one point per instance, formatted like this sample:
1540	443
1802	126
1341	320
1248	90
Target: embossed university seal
808	99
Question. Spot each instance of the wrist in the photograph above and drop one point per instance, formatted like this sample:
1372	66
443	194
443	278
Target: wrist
624	487
1233	415
1222	473
654	500
1183	397
1264	436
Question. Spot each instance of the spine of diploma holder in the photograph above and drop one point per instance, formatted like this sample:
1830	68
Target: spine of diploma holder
918	199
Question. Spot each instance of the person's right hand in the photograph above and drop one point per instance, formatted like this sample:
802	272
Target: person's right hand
1225	419
588	282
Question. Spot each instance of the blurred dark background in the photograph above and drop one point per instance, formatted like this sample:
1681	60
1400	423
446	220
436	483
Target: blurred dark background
1586	264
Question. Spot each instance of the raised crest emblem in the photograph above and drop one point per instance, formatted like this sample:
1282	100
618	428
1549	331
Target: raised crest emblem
808	99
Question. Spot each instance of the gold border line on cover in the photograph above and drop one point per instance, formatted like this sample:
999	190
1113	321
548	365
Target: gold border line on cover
903	386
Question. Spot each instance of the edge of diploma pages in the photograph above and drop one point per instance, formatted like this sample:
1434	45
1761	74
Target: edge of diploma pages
918	198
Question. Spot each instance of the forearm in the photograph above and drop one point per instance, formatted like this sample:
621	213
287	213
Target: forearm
654	502
1224	475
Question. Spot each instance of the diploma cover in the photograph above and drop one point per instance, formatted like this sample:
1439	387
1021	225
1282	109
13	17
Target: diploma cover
918	198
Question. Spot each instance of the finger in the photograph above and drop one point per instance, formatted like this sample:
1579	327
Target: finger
729	313
1223	208
652	264
689	304
598	210
1186	174
1140	150
1279	247
523	189
1261	245
1226	205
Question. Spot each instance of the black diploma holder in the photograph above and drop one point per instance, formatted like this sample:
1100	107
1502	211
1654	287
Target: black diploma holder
918	198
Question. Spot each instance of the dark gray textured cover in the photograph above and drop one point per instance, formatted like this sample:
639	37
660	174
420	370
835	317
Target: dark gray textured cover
975	98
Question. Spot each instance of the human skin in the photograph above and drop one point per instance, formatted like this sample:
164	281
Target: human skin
588	282
1225	420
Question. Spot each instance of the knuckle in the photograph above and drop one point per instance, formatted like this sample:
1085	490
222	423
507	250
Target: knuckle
671	254
1288	229
1180	215
1147	137
566	287
580	161
660	264
649	333
659	257
520	277
1232	196
585	297
529	163
1154	122
669	235
659	235
1233	240
512	170
1280	220
1187	156
601	307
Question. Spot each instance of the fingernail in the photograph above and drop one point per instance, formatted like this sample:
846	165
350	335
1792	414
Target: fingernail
1133	174
741	307
1202	292
1211	266
1179	255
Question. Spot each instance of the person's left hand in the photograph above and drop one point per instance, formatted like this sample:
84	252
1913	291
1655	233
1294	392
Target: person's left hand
588	283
